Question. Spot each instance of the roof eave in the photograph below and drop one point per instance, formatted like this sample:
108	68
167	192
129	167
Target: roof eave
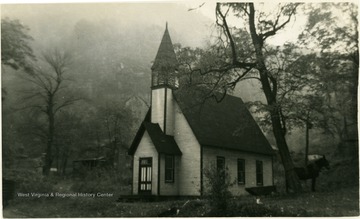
272	153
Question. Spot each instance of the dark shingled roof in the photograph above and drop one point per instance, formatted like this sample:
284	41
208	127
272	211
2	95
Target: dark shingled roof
163	143
165	57
227	124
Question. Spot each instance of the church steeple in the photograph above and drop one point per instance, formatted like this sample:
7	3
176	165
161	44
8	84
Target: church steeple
163	81
165	63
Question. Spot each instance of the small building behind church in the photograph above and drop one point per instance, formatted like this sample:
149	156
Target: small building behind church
178	139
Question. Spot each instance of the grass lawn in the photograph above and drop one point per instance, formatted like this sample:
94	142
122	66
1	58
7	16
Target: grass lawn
344	202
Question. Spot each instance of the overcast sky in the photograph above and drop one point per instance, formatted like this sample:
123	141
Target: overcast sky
189	24
49	22
157	12
189	28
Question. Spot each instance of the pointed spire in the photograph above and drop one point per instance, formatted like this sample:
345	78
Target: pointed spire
165	57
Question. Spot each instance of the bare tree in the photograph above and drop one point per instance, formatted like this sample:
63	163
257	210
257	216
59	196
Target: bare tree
47	95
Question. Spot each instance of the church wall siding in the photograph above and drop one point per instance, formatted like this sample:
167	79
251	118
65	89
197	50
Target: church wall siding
157	106
165	187
189	164
231	156
145	149
170	112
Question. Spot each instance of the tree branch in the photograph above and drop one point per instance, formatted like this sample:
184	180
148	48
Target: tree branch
228	34
276	28
66	103
239	78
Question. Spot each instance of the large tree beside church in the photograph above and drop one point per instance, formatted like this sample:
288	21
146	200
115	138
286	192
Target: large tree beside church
241	52
260	27
238	54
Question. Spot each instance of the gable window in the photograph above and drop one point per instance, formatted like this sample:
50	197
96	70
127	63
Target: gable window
169	168
241	171
259	172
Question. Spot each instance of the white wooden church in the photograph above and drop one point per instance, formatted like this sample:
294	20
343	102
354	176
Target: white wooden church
173	145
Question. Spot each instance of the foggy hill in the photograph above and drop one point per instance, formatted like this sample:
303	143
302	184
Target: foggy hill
112	45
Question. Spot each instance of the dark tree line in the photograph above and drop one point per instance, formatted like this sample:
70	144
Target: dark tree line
55	121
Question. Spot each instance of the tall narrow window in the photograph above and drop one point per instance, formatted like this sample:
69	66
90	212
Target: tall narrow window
220	166
241	171
169	168
220	163
259	172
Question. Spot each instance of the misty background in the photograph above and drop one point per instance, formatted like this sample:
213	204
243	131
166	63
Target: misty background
75	82
112	47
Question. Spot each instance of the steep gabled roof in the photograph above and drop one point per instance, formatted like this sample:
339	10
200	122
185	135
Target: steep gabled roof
139	134
163	143
165	57
227	124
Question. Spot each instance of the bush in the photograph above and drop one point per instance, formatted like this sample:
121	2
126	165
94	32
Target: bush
218	183
30	181
101	180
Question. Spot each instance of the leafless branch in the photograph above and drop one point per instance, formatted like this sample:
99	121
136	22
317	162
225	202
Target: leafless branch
191	9
226	29
66	103
275	26
238	78
41	108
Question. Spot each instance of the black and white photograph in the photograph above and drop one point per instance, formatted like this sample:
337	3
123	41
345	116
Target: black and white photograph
179	109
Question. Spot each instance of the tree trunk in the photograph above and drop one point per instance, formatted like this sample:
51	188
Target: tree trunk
270	94
308	127
64	164
50	139
48	158
306	143
57	157
290	174
116	153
